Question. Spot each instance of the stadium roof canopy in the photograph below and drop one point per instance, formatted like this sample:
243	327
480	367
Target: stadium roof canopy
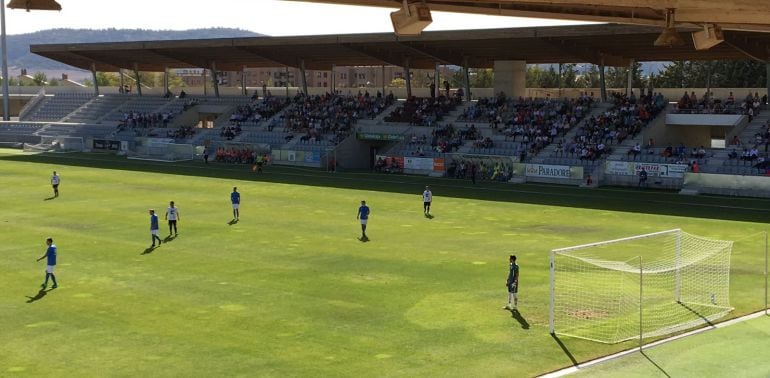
615	44
729	15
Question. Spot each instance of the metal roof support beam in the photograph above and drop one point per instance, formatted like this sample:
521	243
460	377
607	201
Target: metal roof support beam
755	52
392	60
122	83
287	82
261	55
408	77
629	86
584	54
767	78
138	79
383	80
334	78
602	82
304	76
165	81
215	78
434	85
243	81
96	82
467	79
423	52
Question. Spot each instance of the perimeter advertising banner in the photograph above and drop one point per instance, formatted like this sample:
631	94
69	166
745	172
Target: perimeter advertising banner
416	163
627	168
565	172
102	144
379	136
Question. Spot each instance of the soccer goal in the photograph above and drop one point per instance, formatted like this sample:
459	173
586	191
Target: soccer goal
56	144
637	287
162	151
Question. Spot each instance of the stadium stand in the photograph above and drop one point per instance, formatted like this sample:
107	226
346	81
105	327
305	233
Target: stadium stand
56	107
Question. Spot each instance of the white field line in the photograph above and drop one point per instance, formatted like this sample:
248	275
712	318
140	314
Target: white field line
311	173
574	369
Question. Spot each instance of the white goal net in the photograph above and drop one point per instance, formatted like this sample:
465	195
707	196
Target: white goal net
162	151
642	286
56	144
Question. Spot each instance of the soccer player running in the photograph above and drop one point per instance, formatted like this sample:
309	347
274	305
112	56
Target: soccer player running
235	198
363	215
512	284
55	180
427	198
172	215
50	254
154	228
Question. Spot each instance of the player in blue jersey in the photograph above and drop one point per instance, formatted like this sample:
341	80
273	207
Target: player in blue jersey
363	215
512	284
235	198
50	254
154	228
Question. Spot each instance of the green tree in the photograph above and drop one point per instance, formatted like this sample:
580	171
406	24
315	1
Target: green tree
482	77
107	79
39	78
398	83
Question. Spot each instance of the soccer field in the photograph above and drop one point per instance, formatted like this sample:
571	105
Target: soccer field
290	290
739	350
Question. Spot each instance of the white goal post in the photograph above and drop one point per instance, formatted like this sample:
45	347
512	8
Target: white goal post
56	143
641	286
156	150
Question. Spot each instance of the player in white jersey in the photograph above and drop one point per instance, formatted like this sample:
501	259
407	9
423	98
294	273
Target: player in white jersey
172	215
55	180
427	198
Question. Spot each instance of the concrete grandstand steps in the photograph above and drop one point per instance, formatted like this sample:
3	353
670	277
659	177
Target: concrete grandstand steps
550	149
77	110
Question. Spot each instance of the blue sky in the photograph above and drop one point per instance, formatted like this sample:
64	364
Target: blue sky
271	17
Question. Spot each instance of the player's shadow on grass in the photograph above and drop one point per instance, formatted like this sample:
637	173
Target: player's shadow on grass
49	198
565	350
169	238
364	239
429	216
655	364
519	318
232	222
40	294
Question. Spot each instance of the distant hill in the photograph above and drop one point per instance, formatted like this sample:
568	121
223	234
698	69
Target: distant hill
20	57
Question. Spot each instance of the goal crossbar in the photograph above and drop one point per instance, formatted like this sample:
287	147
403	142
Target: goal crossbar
640	286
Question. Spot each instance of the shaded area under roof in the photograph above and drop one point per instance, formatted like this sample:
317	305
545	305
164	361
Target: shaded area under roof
615	44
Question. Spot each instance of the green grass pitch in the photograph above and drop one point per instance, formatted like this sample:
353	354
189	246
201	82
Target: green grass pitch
290	290
739	350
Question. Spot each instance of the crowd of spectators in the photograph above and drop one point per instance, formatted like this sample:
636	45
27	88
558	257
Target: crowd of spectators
230	132
318	116
239	155
258	110
181	132
594	138
709	104
136	120
539	122
421	111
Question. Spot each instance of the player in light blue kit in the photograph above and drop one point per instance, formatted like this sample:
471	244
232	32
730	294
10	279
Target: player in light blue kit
50	254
